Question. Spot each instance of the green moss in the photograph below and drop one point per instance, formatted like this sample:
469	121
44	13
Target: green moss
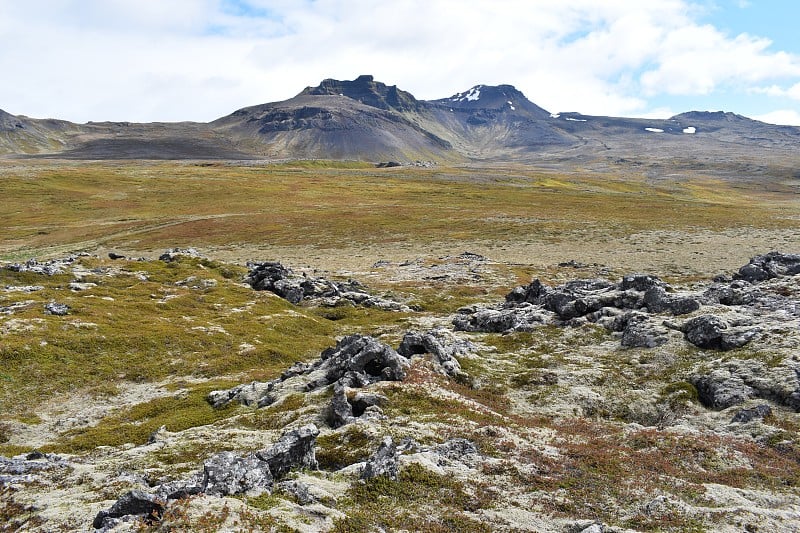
344	447
406	503
136	424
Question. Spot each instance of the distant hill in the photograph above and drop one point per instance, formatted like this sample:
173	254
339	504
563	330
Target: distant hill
364	119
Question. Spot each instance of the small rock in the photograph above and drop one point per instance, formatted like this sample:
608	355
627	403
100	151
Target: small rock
753	413
226	474
134	502
383	462
57	309
295	449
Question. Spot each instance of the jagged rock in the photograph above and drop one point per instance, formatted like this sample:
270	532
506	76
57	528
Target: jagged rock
768	266
757	412
710	331
48	268
487	320
641	282
533	293
739	292
134	502
383	462
720	389
388	164
362	401
227	474
254	394
457	449
740	380
276	278
640	332
53	308
114	256
657	301
295	449
438	343
298	490
24	468
173	254
176	490
364	355
340	412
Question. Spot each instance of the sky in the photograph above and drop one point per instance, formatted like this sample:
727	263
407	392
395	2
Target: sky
173	60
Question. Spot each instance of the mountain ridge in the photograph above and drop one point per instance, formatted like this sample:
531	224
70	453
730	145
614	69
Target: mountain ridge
365	119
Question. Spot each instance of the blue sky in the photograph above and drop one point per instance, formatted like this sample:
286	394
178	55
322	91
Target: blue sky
156	60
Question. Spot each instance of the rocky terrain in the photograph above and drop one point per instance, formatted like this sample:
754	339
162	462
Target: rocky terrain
187	394
367	120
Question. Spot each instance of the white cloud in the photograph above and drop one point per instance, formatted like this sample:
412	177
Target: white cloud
788	117
200	59
778	91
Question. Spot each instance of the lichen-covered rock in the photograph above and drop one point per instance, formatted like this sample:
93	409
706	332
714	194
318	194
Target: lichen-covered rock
753	413
739	380
340	412
768	266
365	355
255	393
439	343
640	332
276	278
57	309
135	502
295	449
487	320
658	301
227	474
383	462
173	254
720	389
711	331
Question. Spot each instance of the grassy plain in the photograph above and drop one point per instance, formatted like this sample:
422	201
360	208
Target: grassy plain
348	215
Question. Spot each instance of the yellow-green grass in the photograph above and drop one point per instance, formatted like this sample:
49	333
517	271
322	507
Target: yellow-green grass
51	207
144	322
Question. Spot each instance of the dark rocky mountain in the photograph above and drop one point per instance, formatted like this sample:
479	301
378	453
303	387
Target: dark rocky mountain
368	120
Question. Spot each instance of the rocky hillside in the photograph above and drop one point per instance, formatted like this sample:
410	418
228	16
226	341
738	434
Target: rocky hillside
368	120
189	394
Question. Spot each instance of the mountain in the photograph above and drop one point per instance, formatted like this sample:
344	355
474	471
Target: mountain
365	119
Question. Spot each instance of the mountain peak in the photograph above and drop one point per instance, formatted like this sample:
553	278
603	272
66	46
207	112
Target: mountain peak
496	97
367	91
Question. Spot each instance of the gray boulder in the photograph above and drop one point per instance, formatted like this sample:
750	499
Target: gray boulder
295	449
658	301
134	502
641	282
759	412
440	344
173	254
487	320
640	332
298	490
226	474
340	411
364	355
721	389
383	462
710	331
53	308
768	266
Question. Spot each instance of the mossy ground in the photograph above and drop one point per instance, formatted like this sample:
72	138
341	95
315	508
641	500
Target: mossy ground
191	326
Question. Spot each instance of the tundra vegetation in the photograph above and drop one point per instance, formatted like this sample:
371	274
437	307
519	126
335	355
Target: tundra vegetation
569	428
